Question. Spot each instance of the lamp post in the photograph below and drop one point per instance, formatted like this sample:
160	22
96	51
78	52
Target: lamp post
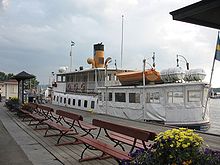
144	63
53	79
107	61
177	60
71	57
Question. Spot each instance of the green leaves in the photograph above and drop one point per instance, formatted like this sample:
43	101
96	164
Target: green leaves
4	77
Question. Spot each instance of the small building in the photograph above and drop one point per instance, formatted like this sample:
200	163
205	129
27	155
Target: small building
9	88
2	87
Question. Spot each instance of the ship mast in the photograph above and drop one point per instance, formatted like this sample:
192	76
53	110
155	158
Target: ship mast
71	55
122	37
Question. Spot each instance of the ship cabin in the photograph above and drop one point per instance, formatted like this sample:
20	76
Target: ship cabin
172	103
86	81
79	89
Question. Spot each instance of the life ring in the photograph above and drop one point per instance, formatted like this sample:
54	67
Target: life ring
75	87
83	87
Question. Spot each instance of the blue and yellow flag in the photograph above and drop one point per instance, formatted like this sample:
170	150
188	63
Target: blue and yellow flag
217	51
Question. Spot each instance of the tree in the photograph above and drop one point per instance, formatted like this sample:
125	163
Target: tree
10	75
4	77
31	83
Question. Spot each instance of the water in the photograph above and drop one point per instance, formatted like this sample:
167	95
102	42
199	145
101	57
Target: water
214	116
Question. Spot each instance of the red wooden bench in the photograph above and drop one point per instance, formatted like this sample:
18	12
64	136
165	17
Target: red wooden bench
26	110
120	139
41	114
71	120
110	150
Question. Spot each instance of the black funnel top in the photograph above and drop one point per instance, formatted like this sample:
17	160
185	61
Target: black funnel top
99	46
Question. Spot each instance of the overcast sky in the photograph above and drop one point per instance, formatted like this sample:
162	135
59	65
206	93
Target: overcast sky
35	35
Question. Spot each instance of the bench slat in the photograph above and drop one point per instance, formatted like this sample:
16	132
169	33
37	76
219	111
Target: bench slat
127	140
69	115
129	131
57	126
106	148
86	125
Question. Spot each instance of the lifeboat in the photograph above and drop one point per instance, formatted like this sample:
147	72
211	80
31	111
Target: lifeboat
136	77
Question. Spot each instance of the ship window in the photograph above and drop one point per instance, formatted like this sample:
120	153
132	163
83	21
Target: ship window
72	78
85	78
101	76
63	79
64	101
85	103
78	77
79	103
109	77
194	96
134	97
115	77
109	96
175	97
91	76
69	101
120	97
58	78
61	99
54	97
74	101
92	104
57	98
153	97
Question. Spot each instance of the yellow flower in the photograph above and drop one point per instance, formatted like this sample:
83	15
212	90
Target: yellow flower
184	145
196	144
178	144
171	136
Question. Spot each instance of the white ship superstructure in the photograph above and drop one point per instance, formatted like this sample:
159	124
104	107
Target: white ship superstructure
170	100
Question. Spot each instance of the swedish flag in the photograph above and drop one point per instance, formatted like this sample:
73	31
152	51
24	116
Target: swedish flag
217	51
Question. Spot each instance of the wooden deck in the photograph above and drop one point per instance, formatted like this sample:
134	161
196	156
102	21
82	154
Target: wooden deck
70	154
67	154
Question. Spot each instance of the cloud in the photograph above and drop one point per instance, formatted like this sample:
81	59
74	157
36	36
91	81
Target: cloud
35	35
4	4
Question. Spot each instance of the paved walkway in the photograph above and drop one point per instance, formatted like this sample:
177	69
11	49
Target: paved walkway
18	148
10	151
